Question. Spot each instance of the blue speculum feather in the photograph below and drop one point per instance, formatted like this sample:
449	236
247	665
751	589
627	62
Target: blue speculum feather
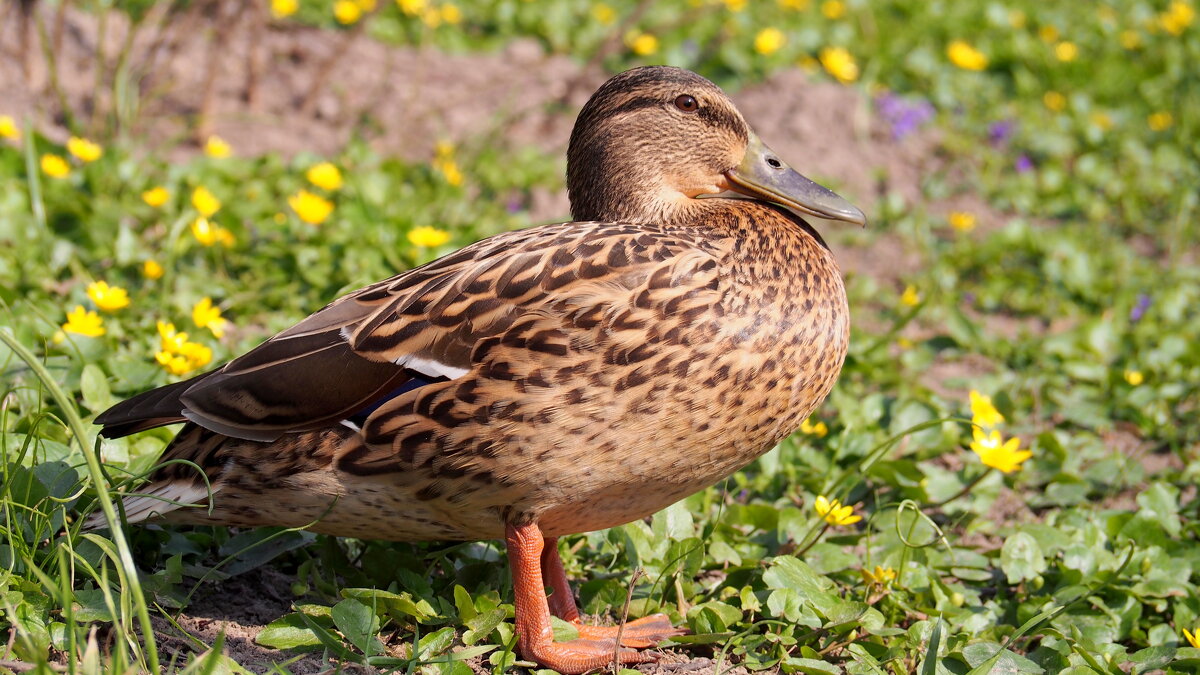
416	382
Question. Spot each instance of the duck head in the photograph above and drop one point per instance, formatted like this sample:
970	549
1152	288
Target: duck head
652	141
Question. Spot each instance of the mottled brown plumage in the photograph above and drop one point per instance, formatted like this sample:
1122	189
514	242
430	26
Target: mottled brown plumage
563	378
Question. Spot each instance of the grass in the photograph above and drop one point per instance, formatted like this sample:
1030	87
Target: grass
1075	311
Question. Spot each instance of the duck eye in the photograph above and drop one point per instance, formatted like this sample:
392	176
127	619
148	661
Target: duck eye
687	103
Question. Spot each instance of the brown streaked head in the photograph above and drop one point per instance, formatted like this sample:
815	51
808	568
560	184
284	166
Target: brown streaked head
652	140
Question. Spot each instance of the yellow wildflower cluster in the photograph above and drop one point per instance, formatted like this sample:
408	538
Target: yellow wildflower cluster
107	298
880	576
8	128
178	355
1177	18
215	146
963	55
84	322
642	44
833	9
839	63
209	233
444	162
311	208
769	41
207	315
325	176
990	445
84	150
156	196
284	8
55	166
834	512
818	428
963	221
428	237
205	202
448	13
910	297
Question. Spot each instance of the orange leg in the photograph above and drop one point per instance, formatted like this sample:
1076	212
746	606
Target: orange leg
639	633
535	640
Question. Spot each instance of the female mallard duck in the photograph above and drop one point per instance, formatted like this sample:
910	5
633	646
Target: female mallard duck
550	381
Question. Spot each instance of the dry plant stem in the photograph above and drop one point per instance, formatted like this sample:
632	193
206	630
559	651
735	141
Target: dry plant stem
616	663
325	70
212	62
25	36
256	25
813	542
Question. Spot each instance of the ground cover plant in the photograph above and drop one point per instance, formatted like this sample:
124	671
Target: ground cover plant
1002	481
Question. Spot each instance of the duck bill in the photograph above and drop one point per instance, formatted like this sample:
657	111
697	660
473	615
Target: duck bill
763	175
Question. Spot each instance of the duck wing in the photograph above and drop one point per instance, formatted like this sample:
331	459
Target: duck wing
422	324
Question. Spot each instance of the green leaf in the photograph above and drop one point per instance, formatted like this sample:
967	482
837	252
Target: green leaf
481	626
288	632
1021	558
359	624
93	384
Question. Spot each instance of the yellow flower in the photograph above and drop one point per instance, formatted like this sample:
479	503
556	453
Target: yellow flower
642	44
604	13
794	4
428	237
156	196
205	202
1192	638
346	12
411	7
1134	377
451	14
1016	18
152	270
1066	51
55	166
206	315
1177	18
818	428
881	576
904	343
204	231
735	5
839	63
834	513
175	365
997	453
1130	39
833	9
8	128
169	339
962	221
324	175
83	149
216	146
84	322
910	297
965	56
983	412
431	17
366	5
312	209
107	298
769	40
1160	121
1054	101
282	8
198	355
1101	120
1048	33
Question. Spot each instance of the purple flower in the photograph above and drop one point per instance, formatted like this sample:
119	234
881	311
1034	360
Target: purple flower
1000	132
903	116
968	298
1024	164
1139	309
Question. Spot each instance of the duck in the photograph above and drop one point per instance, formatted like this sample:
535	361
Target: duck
543	382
